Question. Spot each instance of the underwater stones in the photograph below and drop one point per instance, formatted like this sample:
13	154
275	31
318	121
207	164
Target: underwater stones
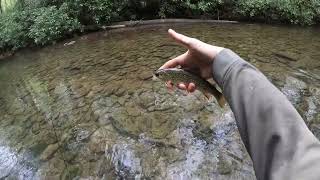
294	89
133	111
80	93
17	132
145	75
124	156
120	91
82	135
146	99
143	122
81	104
213	107
35	129
104	119
95	90
103	102
103	136
105	169
190	103
121	101
205	118
167	105
48	135
89	117
75	138
70	172
162	124
119	114
224	164
49	152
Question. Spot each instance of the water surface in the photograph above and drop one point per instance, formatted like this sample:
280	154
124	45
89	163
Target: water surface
90	110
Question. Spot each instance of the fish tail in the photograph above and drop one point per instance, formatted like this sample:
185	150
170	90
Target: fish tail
221	100
219	96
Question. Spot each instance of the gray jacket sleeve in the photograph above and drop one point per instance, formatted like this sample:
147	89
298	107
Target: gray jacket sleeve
278	141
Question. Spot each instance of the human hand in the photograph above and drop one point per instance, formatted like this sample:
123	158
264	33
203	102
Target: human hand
198	59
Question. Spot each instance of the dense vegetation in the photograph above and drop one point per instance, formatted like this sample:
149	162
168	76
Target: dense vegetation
40	22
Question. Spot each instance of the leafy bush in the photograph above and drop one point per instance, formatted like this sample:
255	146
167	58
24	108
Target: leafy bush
39	22
34	26
94	11
293	11
190	8
51	24
12	31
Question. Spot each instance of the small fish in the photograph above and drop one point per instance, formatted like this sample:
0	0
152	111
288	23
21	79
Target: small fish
176	75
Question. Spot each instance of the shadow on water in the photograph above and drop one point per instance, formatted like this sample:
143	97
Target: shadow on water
90	109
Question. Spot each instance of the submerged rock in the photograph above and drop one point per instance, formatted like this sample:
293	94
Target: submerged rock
49	152
224	164
101	138
294	89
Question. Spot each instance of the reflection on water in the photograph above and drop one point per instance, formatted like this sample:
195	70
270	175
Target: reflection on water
92	109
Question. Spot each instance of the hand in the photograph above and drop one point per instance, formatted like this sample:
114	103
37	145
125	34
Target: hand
198	59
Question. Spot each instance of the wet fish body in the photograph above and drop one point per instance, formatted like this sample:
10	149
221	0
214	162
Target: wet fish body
176	75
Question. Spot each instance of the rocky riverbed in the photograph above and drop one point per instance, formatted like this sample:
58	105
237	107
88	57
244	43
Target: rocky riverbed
91	109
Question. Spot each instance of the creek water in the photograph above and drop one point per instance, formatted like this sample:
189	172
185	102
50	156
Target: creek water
91	110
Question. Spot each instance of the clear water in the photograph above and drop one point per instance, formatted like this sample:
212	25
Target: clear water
90	110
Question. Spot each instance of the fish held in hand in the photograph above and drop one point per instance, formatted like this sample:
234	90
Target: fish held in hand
176	75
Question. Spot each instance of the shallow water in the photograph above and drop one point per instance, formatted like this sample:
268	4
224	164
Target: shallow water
90	110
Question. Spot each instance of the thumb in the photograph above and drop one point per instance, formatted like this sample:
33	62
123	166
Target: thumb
180	38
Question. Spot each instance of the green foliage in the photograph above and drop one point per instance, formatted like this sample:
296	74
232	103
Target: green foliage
12	32
7	5
293	11
94	11
169	8
39	22
51	24
44	25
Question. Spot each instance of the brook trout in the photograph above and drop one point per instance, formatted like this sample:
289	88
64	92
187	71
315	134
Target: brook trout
176	76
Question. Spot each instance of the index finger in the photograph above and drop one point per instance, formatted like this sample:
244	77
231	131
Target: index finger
174	62
180	38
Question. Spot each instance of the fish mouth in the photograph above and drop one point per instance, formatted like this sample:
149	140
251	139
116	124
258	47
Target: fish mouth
158	72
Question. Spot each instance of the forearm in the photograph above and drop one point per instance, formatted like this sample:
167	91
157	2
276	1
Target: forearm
273	132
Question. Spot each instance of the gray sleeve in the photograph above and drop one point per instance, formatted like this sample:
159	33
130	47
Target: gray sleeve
278	141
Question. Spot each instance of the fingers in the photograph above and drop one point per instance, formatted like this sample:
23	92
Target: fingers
189	87
181	39
182	86
174	62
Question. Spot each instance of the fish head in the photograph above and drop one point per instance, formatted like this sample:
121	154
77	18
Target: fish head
162	74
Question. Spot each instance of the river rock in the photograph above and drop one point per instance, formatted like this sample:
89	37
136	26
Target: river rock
224	164
104	119
81	92
121	100
146	100
294	89
103	136
190	103
145	75
133	111
70	172
49	152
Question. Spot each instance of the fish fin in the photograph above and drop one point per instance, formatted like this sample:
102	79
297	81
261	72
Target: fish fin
221	101
218	95
207	95
170	88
